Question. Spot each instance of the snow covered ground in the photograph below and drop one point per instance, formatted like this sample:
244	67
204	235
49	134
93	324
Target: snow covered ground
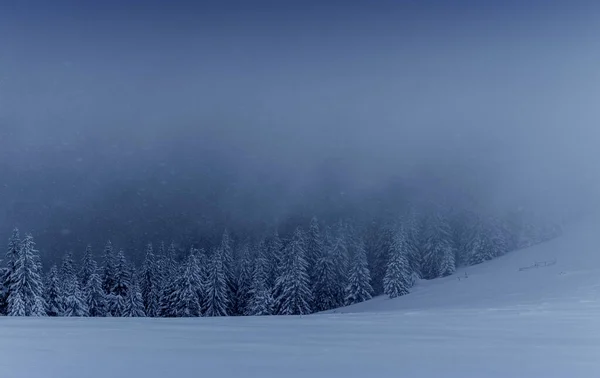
498	322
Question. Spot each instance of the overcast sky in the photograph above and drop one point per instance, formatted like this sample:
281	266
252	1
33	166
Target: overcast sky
98	100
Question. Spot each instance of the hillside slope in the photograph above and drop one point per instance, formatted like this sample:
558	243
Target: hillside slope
572	275
499	322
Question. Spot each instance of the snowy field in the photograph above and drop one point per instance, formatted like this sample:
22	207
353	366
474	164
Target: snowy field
498	322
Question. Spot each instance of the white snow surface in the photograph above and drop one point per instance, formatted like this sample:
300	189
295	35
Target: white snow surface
498	322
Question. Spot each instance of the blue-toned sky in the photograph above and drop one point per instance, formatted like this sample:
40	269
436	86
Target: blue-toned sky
498	98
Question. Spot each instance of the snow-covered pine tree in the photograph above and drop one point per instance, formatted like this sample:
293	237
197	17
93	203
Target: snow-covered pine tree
261	298
95	299
244	281
120	289
26	291
74	299
67	271
439	259
88	266
187	302
108	268
339	254
150	283
274	254
169	275
497	233
397	276
324	286
478	249
226	252
359	287
54	296
8	272
134	305
3	290
216	300
293	285
412	227
314	247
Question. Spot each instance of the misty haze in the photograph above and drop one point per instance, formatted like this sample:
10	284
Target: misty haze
328	189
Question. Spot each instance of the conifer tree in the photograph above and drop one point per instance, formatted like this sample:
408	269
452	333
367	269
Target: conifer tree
314	247
120	289
88	266
134	305
95	298
325	287
396	280
439	259
244	281
168	277
339	255
216	300
261	300
187	302
359	287
8	272
74	299
275	249
26	290
53	294
150	284
108	269
226	252
293	286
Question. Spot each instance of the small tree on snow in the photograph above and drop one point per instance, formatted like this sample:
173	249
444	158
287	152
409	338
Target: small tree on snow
396	279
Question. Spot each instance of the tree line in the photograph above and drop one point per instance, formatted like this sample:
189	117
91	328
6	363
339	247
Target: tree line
313	269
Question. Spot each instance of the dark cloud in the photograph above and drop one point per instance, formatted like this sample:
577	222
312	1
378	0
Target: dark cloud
179	120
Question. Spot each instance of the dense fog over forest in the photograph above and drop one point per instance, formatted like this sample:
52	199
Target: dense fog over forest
140	124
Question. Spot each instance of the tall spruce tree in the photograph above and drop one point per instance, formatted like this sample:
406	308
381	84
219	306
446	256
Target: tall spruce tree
261	298
216	300
244	281
396	279
108	268
314	247
8	272
293	285
275	249
74	299
324	286
134	305
88	266
26	290
95	298
54	296
150	283
359	287
120	289
226	252
439	258
186	299
339	254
